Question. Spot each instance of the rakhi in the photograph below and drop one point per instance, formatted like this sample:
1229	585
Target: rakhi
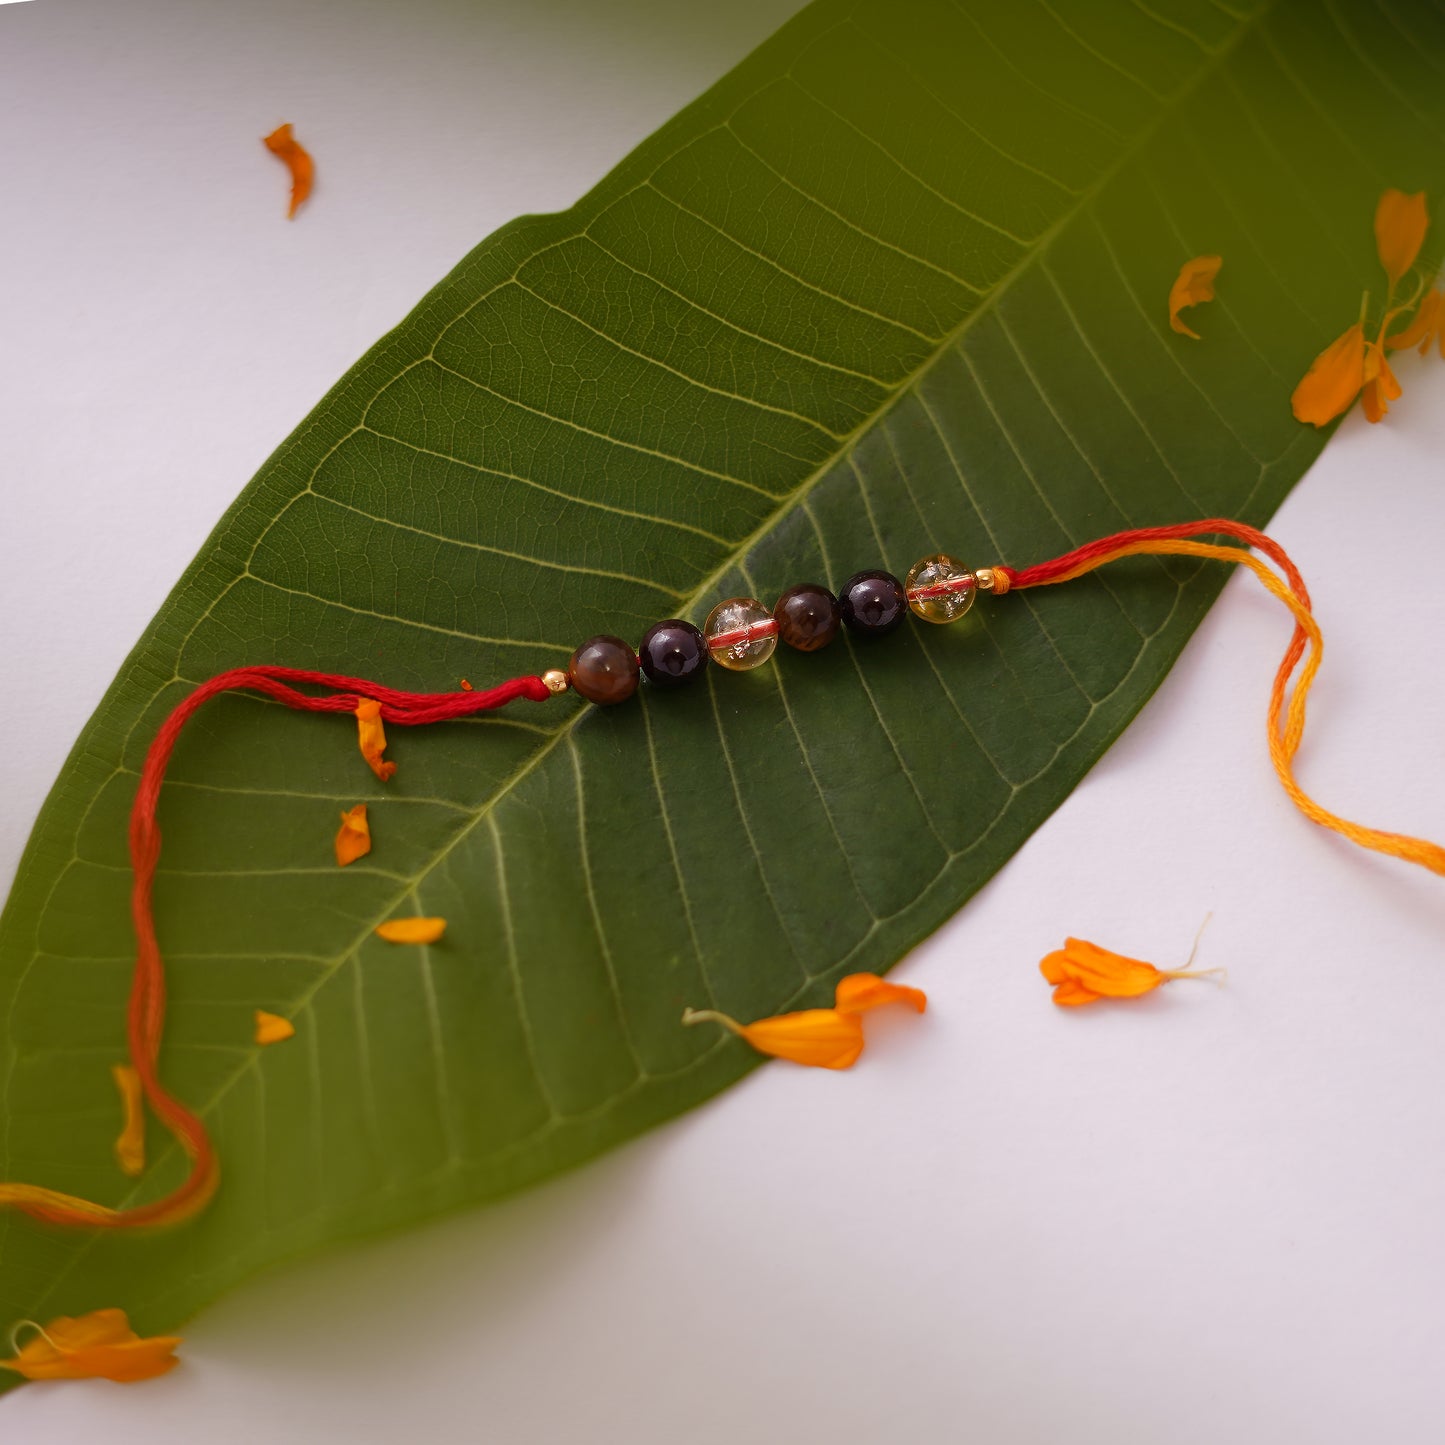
740	633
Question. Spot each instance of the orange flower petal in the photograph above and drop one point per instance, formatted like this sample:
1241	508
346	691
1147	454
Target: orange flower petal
823	1038
130	1147
99	1327
1333	381
1082	972
1381	387
1400	225
1429	322
820	1037
1194	283
353	839
126	1363
862	991
412	930
272	1028
1054	967
371	736
1070	994
298	160
1106	972
100	1345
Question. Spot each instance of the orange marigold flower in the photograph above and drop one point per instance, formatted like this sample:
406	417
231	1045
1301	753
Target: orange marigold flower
298	160
1082	972
272	1028
823	1038
100	1345
412	930
1194	283
372	737
1334	380
1400	225
1428	326
130	1147
353	838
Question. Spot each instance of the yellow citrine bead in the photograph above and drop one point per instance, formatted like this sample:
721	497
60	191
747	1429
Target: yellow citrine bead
940	588
741	633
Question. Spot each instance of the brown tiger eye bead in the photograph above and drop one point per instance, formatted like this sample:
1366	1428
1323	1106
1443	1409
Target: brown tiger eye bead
807	617
604	670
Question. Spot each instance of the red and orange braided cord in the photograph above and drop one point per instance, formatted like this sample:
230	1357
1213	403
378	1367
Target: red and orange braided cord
147	1012
1286	718
148	991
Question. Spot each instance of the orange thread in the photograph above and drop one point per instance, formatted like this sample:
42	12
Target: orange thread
1286	719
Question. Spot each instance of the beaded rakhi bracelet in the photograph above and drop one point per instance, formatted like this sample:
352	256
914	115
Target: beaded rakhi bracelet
740	633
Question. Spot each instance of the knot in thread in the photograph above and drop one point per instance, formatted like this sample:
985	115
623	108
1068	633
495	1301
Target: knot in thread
998	579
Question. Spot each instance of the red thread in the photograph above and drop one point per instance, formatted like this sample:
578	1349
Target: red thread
740	636
146	1019
1043	573
943	589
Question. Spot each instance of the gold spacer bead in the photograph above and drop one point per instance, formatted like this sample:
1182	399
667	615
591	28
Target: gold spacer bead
556	680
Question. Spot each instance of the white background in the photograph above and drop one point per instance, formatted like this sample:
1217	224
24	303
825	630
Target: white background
1214	1215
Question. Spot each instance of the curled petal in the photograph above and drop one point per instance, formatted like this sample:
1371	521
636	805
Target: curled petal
1194	283
100	1345
353	838
1427	326
371	737
283	144
272	1028
412	930
1400	225
862	991
1333	381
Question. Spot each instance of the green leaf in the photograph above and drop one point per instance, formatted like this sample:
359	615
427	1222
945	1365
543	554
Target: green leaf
897	284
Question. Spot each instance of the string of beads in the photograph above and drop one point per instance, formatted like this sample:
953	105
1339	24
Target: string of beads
741	633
